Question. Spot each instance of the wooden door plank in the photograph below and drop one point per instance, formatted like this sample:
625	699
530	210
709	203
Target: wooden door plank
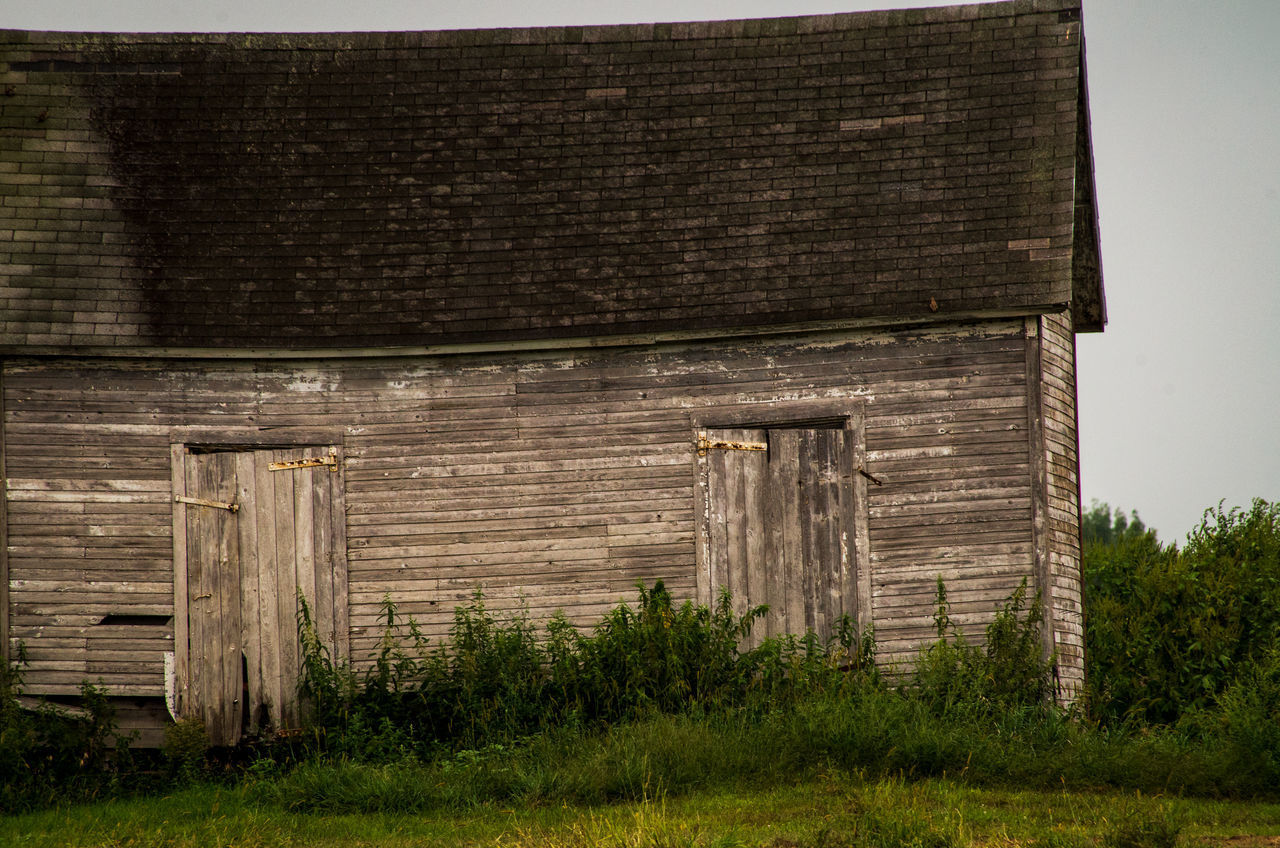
792	615
754	479
816	563
321	489
304	540
230	660
250	601
774	555
736	519
833	601
206	605
719	496
809	564
272	694
286	635
197	616
702	522
847	584
856	517
181	600
338	552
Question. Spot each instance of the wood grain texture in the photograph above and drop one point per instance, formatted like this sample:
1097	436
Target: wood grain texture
784	542
555	479
1063	500
6	649
241	575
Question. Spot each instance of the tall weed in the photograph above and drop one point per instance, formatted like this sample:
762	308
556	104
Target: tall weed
498	679
1007	671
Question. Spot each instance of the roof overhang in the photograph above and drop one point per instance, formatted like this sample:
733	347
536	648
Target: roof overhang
1088	299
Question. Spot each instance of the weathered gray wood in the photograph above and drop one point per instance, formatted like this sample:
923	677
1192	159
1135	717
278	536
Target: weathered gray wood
772	517
322	547
268	564
737	517
1039	481
203	598
5	627
1057	361
190	647
250	641
338	546
304	539
230	658
245	562
785	485
548	471
791	498
286	579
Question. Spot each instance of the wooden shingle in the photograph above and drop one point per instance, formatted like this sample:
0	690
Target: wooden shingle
303	191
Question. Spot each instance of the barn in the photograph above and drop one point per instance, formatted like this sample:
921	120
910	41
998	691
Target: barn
786	307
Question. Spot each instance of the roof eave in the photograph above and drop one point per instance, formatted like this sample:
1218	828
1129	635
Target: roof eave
1088	297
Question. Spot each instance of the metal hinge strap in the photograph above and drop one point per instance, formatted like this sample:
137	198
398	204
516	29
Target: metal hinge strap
307	462
705	444
230	507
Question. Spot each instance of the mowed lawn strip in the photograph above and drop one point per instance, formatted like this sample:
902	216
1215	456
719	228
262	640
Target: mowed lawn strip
830	810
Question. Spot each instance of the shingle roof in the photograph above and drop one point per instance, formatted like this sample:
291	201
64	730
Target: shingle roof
422	188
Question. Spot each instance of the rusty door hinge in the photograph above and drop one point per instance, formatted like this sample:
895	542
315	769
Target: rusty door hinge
307	462
230	507
705	444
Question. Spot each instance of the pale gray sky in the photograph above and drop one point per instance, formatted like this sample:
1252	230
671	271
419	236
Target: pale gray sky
1180	398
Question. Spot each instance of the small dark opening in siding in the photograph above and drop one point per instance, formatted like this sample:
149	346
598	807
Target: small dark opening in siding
830	422
136	619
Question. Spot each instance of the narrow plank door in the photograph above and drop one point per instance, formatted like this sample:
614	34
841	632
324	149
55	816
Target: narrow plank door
260	530
777	526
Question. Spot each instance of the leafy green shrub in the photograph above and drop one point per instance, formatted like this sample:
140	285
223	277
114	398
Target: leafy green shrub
1008	671
49	753
498	679
186	744
1168	630
1248	718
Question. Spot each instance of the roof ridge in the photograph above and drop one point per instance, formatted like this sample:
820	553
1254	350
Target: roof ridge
588	33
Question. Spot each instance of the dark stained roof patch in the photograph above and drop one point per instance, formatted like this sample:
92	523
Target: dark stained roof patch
369	189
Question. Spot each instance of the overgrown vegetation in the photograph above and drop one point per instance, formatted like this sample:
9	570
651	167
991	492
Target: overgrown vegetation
660	699
497	679
1170	630
1188	639
49	754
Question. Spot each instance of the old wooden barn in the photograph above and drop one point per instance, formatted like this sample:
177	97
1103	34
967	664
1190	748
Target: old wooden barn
782	306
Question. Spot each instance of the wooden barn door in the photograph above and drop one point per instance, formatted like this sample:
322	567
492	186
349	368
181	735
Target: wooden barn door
777	525
254	531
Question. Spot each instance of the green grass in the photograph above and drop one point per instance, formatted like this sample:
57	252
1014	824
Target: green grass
829	809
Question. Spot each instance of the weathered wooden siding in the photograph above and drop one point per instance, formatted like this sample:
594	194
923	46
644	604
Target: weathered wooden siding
947	435
1058	404
551	480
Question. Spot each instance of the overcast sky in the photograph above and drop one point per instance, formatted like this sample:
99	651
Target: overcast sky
1180	397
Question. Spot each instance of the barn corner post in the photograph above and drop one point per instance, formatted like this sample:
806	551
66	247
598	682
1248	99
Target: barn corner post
5	650
1038	463
1038	473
